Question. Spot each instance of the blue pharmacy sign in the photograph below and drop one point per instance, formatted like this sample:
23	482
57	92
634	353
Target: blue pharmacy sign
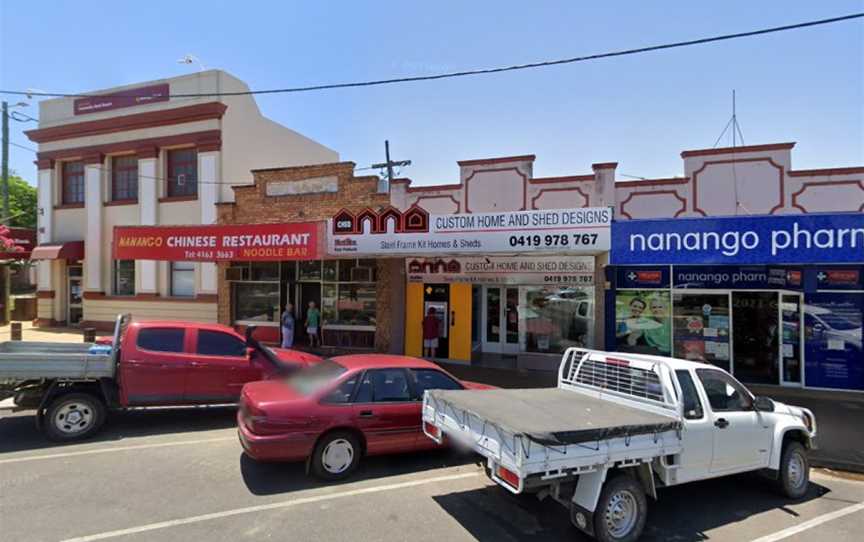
785	239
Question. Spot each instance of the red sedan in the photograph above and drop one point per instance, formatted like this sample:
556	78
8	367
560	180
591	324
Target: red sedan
341	409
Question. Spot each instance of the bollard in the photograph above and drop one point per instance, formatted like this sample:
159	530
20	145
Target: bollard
16	331
89	334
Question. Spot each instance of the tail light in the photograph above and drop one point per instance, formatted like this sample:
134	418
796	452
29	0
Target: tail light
432	430
508	476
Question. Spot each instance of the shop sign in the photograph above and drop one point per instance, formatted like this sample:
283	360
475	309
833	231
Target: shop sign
833	331
390	232
502	270
248	242
642	277
124	98
795	239
736	277
840	278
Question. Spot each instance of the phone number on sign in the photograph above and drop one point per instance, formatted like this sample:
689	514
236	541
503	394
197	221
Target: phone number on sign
570	279
554	240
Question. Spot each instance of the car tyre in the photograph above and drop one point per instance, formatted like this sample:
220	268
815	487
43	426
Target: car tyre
74	416
622	510
794	470
336	456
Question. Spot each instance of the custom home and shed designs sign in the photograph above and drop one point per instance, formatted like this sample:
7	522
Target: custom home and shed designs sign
414	231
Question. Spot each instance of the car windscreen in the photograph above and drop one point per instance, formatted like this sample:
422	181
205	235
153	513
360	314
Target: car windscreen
312	379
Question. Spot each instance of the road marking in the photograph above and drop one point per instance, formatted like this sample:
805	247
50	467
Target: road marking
112	449
266	507
819	520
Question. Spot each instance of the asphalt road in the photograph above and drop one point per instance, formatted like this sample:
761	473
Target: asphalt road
181	475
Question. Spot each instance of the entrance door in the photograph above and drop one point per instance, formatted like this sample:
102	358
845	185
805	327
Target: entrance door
756	332
791	343
307	291
74	307
437	297
501	319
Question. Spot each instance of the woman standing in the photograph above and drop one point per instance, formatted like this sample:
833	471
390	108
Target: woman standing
287	323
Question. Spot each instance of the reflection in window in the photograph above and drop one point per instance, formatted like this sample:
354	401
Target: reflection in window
309	270
256	302
356	304
556	318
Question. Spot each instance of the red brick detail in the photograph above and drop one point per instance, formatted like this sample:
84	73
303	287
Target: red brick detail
500	160
206	137
733	150
171	199
563	189
829	171
147	151
634	194
94	158
120	202
567	179
68	206
442	196
44	163
46	294
516	169
739	161
604	165
652	182
805	186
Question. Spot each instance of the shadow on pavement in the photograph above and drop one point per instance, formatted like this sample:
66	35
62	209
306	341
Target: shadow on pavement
18	431
686	512
277	478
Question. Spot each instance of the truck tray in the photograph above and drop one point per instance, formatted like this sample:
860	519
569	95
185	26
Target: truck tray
23	360
553	416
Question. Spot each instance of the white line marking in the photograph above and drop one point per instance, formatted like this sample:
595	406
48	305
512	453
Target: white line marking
112	449
819	520
265	507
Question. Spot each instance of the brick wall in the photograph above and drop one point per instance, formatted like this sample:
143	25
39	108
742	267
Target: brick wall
252	205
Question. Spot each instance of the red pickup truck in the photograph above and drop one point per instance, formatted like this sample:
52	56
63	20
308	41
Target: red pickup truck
154	363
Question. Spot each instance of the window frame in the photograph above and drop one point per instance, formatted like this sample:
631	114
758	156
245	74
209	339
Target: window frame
114	274
171	281
358	375
201	332
66	176
695	389
131	179
419	389
731	381
183	335
172	189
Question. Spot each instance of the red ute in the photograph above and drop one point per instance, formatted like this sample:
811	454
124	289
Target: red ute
341	409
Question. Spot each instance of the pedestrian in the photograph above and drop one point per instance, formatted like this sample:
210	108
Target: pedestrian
288	326
313	318
430	333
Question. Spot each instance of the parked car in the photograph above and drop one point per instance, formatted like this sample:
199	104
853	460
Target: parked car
72	386
340	410
620	427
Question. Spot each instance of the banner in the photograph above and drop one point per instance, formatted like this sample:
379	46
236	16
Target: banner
251	242
125	98
414	231
503	270
787	239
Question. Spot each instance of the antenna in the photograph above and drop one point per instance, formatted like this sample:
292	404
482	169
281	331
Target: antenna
733	123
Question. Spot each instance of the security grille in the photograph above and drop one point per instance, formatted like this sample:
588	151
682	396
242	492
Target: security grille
617	375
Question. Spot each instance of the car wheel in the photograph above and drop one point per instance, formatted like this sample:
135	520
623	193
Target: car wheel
336	456
74	416
621	510
794	470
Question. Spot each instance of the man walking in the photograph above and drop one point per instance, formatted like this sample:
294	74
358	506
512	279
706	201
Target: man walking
288	326
313	318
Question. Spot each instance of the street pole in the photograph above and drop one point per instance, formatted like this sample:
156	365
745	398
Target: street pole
5	173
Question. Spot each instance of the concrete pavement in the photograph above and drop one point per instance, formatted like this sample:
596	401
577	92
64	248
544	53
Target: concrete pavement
181	475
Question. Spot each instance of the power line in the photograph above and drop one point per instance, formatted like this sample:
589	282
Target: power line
481	71
26	148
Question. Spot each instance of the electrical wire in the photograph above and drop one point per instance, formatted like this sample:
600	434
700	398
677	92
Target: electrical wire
26	148
481	71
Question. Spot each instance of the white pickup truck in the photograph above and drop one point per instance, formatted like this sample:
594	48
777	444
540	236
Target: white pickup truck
619	427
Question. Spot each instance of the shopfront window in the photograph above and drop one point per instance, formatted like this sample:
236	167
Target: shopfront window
182	279
309	270
556	318
124	277
700	328
356	305
642	322
255	302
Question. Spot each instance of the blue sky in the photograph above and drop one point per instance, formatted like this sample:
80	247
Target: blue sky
641	111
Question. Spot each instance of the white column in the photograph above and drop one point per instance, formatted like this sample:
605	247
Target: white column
45	221
148	194
208	196
93	209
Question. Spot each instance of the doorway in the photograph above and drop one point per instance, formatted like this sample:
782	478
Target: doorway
792	339
500	319
74	304
306	292
437	297
756	332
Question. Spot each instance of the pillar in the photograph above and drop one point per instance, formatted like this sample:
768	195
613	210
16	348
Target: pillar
45	221
208	196
148	201
93	242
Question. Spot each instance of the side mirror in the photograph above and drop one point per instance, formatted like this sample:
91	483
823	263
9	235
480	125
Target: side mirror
763	404
250	352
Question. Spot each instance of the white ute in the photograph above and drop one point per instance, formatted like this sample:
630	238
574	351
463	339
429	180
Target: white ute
619	427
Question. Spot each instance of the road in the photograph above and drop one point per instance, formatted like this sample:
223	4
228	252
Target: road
181	475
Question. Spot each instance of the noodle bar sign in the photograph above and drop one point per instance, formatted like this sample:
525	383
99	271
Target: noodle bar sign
250	242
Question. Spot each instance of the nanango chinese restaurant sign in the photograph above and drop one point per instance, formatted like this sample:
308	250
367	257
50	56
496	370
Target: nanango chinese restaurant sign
250	242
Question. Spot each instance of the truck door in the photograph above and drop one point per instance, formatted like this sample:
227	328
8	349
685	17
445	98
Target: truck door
698	434
741	440
153	367
218	368
386	412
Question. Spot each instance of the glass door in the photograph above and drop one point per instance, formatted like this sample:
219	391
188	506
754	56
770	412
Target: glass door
791	339
701	327
74	307
756	332
500	319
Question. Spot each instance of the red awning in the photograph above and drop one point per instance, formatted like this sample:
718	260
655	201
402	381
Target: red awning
72	250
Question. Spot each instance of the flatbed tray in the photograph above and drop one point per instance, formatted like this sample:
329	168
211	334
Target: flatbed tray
554	416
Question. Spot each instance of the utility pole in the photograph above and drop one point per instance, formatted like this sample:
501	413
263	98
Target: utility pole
5	172
384	186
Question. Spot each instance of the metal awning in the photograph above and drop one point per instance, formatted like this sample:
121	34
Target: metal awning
71	250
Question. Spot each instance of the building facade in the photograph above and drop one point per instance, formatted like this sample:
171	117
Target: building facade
136	155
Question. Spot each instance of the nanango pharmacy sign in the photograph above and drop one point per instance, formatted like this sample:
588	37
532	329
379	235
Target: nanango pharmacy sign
584	230
787	239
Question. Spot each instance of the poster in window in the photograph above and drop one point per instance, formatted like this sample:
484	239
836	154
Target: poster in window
642	322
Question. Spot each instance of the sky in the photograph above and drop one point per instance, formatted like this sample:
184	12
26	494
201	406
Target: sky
640	111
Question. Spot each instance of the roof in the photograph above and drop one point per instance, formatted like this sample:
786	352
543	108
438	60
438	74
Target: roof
362	361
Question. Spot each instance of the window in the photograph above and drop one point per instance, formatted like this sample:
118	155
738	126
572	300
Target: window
182	279
383	386
724	393
355	304
124	277
700	328
554	317
73	183
264	270
343	392
309	270
216	343
256	301
643	322
690	399
160	339
430	379
124	178
182	173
